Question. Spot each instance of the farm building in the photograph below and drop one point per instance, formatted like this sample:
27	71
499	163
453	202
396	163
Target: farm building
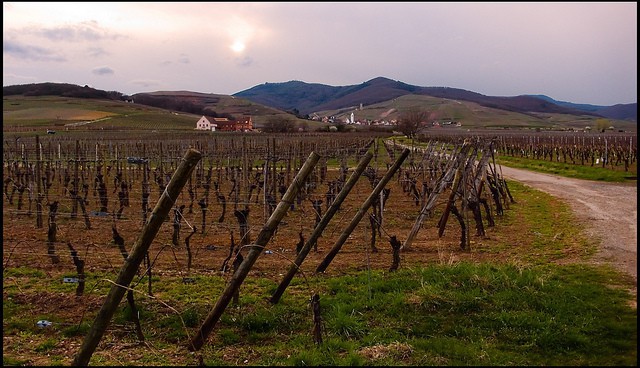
225	124
205	124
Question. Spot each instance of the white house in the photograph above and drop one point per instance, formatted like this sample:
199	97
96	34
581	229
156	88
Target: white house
205	124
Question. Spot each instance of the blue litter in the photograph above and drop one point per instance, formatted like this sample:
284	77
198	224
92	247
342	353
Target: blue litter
43	323
137	160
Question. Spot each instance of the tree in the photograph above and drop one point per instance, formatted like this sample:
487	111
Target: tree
279	124
412	120
602	124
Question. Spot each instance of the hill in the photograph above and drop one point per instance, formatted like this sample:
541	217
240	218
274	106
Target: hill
311	98
210	104
64	106
618	111
59	89
59	106
470	115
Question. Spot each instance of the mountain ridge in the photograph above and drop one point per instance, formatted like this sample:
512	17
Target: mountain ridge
308	98
303	99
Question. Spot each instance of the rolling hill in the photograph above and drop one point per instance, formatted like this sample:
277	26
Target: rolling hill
380	99
312	98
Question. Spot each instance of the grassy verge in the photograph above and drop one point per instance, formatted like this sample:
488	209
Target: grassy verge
570	170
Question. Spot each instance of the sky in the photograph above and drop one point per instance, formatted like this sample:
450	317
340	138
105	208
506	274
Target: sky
580	52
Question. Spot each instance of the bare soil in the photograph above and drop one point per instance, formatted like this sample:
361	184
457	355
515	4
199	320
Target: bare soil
608	211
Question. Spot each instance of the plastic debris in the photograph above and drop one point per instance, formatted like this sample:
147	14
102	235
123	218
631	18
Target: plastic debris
268	252
43	323
70	280
137	160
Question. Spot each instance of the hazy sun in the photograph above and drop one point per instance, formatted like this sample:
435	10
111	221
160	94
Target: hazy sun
238	46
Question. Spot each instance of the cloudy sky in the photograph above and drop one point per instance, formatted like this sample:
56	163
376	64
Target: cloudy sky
575	52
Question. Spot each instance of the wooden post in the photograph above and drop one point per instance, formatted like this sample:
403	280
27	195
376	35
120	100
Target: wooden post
39	196
361	212
320	227
255	250
450	202
132	263
74	197
426	209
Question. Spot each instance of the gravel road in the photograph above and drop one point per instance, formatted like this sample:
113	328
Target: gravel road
609	211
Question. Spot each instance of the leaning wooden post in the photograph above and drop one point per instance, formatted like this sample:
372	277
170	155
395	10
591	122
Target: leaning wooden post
321	226
255	250
132	263
361	212
431	201
451	201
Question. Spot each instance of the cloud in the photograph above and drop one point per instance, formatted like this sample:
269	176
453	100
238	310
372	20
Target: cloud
493	49
103	70
16	77
96	51
183	59
27	52
86	31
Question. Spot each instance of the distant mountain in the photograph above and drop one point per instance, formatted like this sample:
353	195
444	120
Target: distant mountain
308	98
299	99
619	111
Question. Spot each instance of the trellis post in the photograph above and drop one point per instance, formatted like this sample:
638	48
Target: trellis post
255	250
132	263
320	227
363	209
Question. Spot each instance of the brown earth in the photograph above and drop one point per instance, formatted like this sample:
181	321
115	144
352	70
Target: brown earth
609	212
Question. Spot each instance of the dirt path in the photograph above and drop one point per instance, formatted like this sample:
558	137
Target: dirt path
609	211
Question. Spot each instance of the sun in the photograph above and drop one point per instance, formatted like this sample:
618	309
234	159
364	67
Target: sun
238	46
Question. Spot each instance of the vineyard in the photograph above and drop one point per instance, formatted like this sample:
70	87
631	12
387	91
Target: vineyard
277	207
617	151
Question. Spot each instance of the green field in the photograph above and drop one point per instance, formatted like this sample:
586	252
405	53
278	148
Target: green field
60	113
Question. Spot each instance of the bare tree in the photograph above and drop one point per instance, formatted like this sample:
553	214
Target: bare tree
279	124
413	120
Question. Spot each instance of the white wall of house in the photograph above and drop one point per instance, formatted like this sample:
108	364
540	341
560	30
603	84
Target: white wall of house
205	124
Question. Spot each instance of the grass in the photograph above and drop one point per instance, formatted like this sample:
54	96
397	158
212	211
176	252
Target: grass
570	170
465	314
50	112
